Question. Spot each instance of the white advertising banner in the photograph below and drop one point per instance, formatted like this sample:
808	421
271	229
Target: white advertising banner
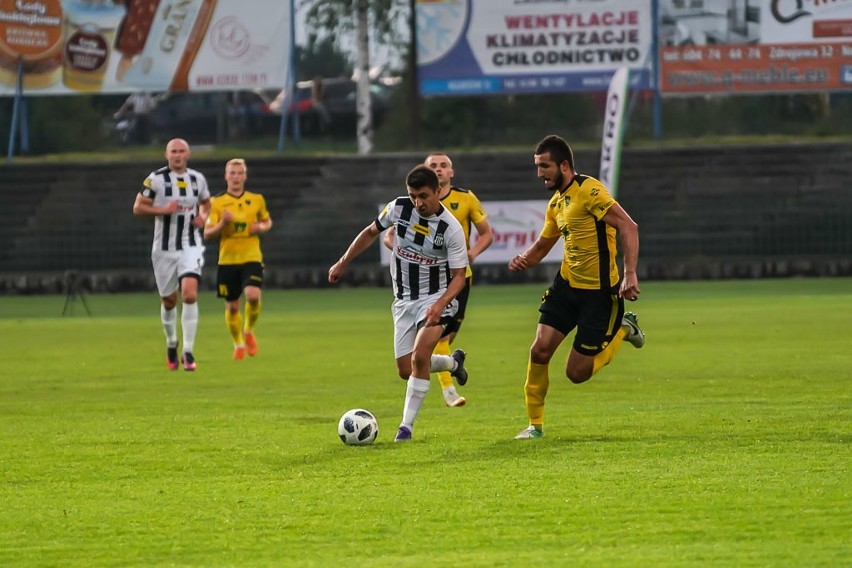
103	46
613	130
468	47
516	225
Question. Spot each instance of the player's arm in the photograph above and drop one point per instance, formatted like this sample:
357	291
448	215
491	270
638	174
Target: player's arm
533	255
144	207
264	221
216	224
260	227
200	220
628	232
387	238
486	237
361	243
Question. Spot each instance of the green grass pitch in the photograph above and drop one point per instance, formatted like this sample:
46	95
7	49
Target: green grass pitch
724	442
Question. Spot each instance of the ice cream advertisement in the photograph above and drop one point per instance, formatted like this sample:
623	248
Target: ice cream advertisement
118	46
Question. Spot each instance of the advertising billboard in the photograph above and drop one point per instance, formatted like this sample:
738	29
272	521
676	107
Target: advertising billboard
766	46
118	46
476	47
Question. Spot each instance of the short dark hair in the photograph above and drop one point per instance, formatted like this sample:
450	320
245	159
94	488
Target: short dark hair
422	176
558	149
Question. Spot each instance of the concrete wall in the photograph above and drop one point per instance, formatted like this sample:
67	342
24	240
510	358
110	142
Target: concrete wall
707	212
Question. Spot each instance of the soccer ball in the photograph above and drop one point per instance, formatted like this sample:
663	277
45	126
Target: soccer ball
358	427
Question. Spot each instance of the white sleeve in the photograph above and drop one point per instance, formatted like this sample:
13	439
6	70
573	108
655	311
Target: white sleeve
203	190
457	250
386	219
150	187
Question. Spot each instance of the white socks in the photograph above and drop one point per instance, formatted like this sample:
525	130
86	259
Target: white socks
189	322
169	319
415	392
442	363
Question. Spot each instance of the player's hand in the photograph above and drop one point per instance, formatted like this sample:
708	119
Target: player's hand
199	221
433	315
629	288
335	272
518	263
170	208
227	216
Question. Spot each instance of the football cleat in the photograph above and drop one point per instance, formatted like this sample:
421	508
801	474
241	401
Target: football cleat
239	353
460	373
403	434
529	432
188	361
635	336
251	344
452	398
172	358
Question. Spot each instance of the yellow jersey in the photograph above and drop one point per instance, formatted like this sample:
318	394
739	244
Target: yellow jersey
576	214
236	244
467	209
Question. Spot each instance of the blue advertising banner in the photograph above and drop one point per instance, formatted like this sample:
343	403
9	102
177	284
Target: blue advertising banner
480	47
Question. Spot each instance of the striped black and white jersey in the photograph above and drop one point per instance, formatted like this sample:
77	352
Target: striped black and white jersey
425	249
176	232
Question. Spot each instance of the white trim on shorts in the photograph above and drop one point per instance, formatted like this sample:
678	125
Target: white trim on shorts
170	266
407	314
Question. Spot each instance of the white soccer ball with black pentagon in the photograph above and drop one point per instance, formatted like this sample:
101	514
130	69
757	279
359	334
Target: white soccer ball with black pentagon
358	427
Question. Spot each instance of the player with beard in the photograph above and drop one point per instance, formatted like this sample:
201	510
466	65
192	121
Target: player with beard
587	293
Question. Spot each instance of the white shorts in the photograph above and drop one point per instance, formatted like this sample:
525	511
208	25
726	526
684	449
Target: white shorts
408	315
171	266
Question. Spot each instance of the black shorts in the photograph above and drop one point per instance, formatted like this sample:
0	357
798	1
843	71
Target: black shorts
595	313
455	324
232	278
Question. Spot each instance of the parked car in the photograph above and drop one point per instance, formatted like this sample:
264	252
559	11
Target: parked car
340	105
205	117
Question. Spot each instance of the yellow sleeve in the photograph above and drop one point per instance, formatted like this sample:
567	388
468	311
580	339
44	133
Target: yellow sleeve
477	212
215	212
263	212
551	227
599	201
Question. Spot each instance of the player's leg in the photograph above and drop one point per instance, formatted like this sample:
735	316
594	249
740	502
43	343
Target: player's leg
229	288
445	377
165	274
413	347
418	383
600	334
190	263
234	323
448	389
168	317
557	319
547	341
252	282
189	318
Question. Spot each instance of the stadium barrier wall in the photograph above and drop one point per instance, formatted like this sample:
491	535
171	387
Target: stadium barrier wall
704	212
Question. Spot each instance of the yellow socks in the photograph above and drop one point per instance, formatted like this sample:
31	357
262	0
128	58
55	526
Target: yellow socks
235	328
604	358
535	390
252	313
443	348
